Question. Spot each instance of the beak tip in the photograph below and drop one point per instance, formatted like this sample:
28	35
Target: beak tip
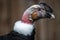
52	16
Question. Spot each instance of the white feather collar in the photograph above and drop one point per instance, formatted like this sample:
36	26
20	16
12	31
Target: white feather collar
23	28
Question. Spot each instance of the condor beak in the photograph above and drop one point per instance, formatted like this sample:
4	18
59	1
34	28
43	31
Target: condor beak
52	16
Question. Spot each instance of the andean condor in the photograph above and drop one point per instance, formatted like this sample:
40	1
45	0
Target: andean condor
24	29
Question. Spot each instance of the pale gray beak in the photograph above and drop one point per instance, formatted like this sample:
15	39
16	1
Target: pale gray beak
52	16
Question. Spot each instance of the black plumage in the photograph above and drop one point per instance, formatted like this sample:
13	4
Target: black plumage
16	36
27	23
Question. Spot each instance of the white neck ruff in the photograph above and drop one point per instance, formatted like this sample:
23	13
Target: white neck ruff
23	28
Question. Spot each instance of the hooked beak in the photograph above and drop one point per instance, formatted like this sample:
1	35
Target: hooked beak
52	16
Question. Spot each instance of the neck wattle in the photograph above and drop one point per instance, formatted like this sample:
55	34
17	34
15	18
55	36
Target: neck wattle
26	20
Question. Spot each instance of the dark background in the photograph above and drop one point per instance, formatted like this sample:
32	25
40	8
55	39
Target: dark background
12	10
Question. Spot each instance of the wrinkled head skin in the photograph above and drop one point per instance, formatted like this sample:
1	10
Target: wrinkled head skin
44	11
39	11
48	10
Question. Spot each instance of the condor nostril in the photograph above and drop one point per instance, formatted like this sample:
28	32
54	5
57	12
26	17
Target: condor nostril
48	15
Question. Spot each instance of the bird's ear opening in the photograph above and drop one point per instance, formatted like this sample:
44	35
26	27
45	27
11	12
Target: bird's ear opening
34	15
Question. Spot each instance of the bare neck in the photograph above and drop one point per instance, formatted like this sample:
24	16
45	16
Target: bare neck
26	20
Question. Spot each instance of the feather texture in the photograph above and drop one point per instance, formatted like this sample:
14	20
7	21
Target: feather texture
23	28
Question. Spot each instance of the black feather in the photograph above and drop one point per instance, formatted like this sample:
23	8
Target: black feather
16	36
47	7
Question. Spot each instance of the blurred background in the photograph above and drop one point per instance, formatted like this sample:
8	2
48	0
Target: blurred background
12	10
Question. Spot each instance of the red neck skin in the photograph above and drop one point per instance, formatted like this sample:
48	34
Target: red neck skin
26	20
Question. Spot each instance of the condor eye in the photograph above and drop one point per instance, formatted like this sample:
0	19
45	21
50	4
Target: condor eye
43	9
39	9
